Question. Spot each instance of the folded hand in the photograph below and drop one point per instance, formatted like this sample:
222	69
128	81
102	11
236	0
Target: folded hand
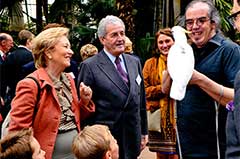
85	93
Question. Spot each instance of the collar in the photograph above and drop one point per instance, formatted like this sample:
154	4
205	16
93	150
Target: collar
112	57
217	39
209	47
22	46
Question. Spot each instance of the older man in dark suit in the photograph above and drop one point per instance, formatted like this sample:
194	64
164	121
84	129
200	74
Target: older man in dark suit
118	89
6	43
19	57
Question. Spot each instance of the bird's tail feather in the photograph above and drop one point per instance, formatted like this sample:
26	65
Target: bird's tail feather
177	91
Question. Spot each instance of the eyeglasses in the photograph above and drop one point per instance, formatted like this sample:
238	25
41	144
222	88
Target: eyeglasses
199	21
233	17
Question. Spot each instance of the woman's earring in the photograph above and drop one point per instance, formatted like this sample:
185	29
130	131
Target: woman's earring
50	57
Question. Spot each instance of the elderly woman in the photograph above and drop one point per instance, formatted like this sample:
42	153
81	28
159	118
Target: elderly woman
55	118
21	144
95	142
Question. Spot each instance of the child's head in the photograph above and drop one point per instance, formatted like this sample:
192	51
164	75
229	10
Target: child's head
95	142
20	144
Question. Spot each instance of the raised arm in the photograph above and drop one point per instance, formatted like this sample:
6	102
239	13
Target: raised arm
217	91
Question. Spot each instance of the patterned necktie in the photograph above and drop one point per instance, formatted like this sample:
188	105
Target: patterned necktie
122	73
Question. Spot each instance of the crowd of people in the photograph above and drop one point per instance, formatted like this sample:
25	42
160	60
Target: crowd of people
99	108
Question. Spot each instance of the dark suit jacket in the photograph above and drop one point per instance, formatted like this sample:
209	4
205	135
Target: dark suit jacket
15	61
121	107
233	124
1	60
3	84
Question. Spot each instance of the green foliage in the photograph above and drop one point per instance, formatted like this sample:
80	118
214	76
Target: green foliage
100	8
224	7
79	34
4	22
79	12
144	46
81	18
8	3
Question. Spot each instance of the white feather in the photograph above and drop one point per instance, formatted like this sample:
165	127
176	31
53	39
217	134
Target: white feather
180	63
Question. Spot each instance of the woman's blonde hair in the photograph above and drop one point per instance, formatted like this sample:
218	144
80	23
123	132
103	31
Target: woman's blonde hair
87	51
44	41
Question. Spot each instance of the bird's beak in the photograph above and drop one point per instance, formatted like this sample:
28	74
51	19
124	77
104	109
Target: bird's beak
187	32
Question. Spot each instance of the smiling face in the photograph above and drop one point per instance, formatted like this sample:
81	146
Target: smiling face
114	40
7	44
60	55
202	30
164	43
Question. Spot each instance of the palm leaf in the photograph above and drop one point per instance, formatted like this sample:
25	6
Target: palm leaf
224	7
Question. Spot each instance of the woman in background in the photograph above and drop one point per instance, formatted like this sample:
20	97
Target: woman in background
163	142
88	50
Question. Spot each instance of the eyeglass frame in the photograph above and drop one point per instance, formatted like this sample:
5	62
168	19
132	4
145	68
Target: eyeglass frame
233	17
199	21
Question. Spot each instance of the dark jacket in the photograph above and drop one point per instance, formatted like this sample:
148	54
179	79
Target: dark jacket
233	124
15	61
119	106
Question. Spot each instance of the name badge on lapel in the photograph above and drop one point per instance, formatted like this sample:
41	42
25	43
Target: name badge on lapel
138	80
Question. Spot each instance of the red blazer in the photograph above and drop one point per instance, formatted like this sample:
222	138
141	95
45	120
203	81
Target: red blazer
46	120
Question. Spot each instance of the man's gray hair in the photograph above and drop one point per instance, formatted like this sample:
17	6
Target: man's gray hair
212	12
109	19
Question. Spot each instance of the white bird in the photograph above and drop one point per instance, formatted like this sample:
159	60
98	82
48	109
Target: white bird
180	63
